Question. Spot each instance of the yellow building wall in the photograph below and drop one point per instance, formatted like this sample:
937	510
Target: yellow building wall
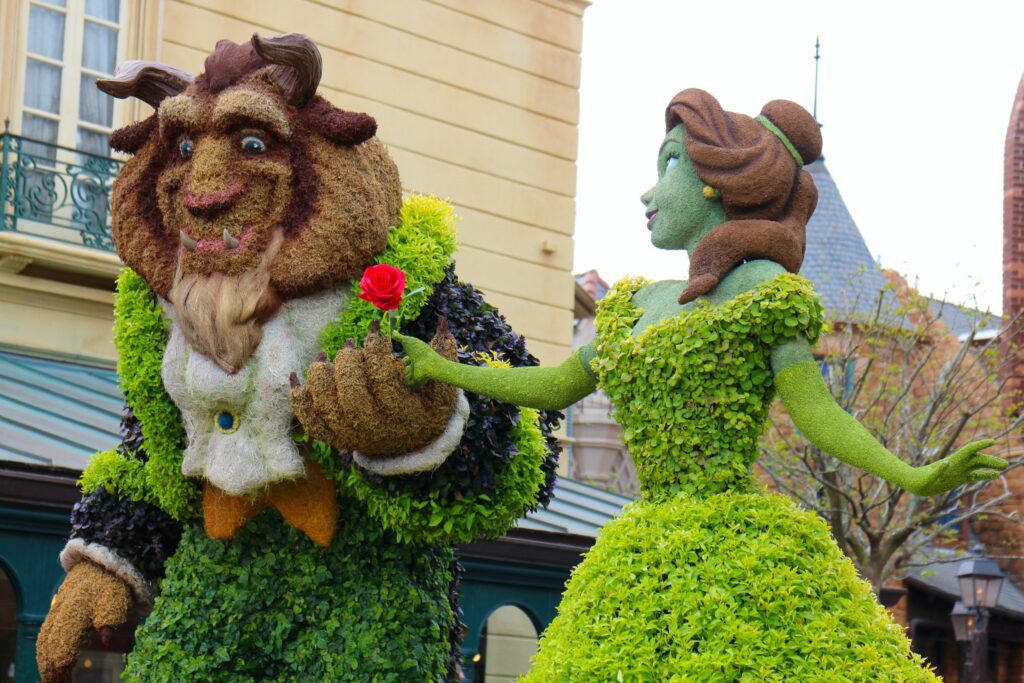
477	99
478	102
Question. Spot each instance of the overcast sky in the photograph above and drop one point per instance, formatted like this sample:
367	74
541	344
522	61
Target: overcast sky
914	98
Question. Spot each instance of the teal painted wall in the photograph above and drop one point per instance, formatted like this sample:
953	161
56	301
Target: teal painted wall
30	542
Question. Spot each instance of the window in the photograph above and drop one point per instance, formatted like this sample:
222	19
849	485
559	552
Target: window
507	645
70	45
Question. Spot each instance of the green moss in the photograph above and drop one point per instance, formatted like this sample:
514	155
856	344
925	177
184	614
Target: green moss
140	334
693	391
731	587
422	245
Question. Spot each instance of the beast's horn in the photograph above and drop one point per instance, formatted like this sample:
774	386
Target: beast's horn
147	81
297	64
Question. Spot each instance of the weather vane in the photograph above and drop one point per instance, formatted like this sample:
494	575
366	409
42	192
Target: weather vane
817	59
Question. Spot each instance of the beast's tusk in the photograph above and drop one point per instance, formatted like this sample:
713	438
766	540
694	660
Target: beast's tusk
187	240
229	241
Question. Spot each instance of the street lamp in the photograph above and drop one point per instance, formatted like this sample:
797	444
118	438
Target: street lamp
963	622
980	582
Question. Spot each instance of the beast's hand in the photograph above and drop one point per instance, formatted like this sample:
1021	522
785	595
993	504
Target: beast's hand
90	598
363	403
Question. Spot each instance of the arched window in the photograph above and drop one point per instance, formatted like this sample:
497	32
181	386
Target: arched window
507	644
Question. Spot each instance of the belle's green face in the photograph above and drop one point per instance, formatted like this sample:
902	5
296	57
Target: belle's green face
678	213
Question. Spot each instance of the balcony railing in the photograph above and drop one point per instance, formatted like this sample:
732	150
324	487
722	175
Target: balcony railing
56	192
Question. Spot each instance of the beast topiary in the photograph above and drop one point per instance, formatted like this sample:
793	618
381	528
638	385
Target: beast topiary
281	498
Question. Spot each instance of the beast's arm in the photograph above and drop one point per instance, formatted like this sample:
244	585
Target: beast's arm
114	559
814	411
126	524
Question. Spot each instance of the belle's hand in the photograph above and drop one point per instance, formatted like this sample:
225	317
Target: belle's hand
965	466
422	362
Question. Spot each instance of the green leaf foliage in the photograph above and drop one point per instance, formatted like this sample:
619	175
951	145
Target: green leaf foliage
709	578
692	391
140	334
437	517
733	587
271	606
422	245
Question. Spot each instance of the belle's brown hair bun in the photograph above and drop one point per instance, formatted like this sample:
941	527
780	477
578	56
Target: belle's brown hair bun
757	172
798	125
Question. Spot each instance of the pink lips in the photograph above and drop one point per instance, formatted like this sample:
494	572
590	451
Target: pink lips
650	218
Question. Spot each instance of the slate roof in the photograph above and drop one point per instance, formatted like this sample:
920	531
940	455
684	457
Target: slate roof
961	320
837	260
940	577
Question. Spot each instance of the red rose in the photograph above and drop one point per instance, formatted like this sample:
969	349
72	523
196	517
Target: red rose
382	285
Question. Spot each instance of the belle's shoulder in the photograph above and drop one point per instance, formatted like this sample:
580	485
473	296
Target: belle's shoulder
656	290
753	274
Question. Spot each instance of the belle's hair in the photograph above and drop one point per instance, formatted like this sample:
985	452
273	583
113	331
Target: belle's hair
766	196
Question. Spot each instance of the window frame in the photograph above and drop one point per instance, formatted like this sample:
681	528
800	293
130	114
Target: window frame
72	69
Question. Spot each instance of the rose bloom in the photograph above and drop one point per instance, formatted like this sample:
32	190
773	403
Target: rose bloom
382	285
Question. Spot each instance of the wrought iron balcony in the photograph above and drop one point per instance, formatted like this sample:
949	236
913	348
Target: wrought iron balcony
57	193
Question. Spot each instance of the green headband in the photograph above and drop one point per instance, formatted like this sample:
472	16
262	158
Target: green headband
767	123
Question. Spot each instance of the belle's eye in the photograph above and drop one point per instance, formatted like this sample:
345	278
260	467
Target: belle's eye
253	144
672	162
185	148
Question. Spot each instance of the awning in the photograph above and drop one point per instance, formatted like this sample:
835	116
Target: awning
56	413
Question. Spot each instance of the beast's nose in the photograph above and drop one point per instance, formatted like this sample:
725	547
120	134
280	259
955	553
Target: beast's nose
209	204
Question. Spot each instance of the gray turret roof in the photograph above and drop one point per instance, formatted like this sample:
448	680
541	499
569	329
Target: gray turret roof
837	260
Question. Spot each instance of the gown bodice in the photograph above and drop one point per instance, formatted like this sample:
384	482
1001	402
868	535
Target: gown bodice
692	391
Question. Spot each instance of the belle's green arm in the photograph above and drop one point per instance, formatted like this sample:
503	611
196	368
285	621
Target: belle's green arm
824	423
550	388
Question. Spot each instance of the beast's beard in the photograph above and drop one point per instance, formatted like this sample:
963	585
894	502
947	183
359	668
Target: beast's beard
221	315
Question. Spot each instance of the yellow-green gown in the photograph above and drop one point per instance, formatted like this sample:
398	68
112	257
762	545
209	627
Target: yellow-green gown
709	578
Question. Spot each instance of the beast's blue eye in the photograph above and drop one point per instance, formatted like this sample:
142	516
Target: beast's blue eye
185	148
672	162
253	144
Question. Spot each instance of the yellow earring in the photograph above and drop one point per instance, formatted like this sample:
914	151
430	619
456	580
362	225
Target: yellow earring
710	192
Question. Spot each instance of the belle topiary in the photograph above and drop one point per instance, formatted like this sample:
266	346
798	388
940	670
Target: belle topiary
282	500
708	577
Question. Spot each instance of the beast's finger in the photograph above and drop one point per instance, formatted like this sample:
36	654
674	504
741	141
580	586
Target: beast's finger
385	375
352	396
443	341
111	604
312	423
323	395
377	342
